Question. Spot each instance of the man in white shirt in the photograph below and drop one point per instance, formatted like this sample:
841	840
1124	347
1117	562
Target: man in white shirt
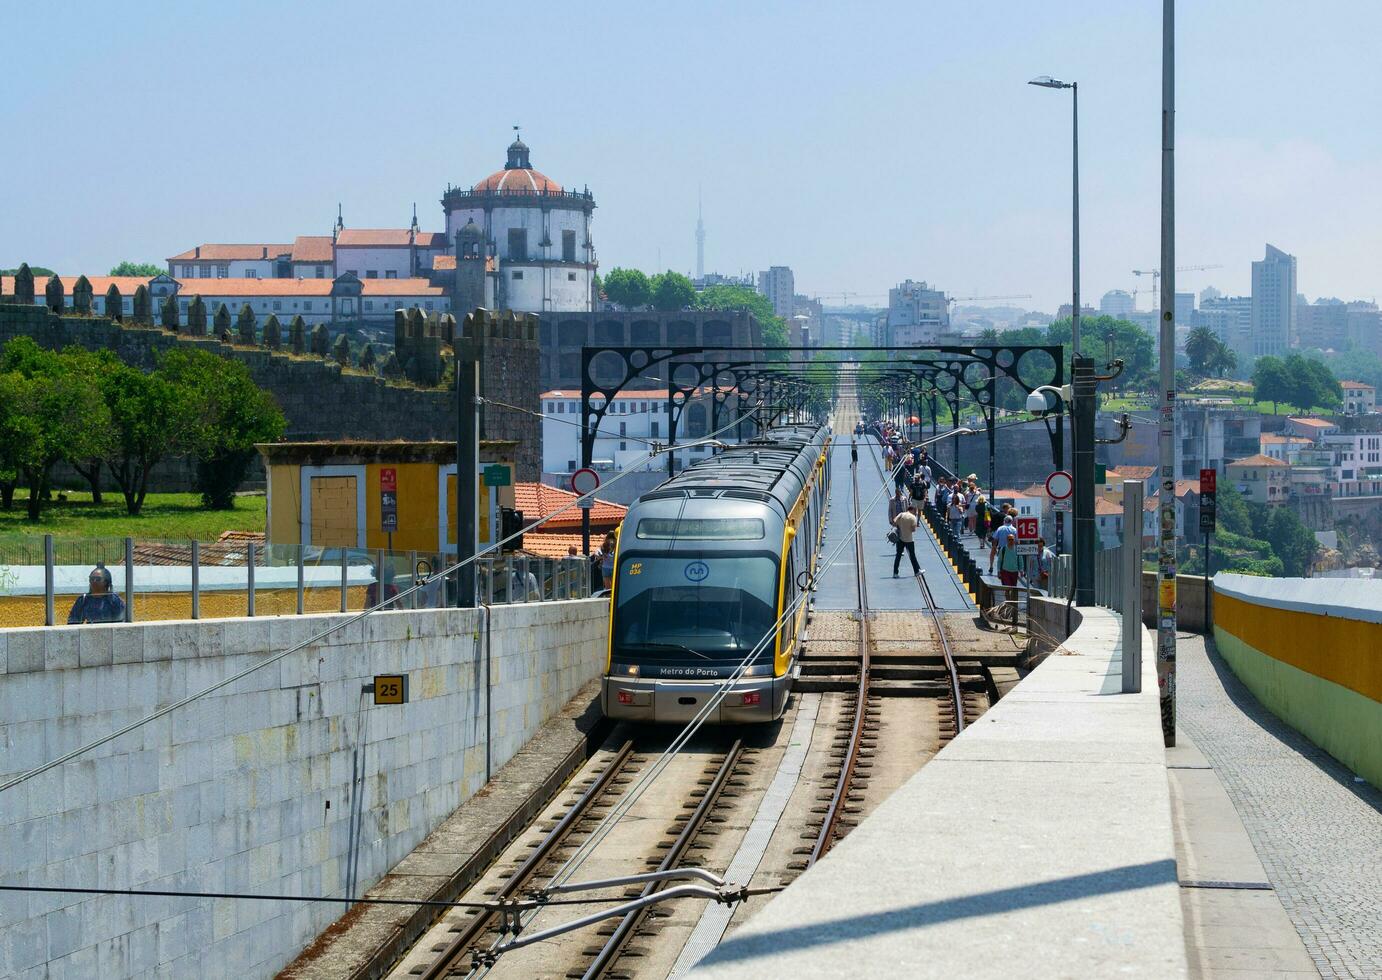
905	524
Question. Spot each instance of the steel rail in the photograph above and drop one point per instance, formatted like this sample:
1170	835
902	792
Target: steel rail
447	960
937	618
628	926
838	797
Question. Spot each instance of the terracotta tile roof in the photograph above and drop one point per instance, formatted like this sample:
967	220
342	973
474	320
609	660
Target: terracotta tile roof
313	248
518	180
538	500
1186	486
1355	384
443	262
1312	423
431	239
385	237
224	253
1143	473
554	545
1258	460
1102	506
99	284
227	550
1275	439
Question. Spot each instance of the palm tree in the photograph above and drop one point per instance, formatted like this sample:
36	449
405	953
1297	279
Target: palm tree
1200	348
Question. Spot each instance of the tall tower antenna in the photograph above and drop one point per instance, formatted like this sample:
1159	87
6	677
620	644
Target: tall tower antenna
700	237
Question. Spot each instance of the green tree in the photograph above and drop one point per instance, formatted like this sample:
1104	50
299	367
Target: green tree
1311	383
144	270
37	270
67	418
1291	541
229	414
1232	510
1222	360
18	432
628	288
1199	348
168	313
149	421
774	328
1270	382
672	291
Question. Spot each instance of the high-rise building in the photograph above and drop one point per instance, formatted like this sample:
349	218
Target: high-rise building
1208	293
1230	319
1117	302
1273	303
917	314
778	285
1323	324
1185	309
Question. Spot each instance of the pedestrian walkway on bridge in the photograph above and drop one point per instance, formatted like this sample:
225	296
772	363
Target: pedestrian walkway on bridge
836	585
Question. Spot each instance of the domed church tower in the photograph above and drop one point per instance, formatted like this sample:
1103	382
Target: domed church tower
537	233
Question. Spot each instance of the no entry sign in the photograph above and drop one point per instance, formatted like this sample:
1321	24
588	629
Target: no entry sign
1060	485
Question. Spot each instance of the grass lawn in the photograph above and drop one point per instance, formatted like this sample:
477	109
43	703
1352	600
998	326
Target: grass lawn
176	516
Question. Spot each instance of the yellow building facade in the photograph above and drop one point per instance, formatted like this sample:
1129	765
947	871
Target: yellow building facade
395	496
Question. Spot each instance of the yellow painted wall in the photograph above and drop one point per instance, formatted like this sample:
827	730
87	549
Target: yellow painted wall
27	610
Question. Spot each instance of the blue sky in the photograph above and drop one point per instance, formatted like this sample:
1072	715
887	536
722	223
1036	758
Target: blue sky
860	143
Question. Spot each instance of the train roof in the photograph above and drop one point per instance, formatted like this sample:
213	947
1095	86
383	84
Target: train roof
772	468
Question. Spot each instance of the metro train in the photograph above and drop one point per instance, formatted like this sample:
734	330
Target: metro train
704	566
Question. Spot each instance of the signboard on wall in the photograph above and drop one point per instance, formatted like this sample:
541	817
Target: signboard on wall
388	499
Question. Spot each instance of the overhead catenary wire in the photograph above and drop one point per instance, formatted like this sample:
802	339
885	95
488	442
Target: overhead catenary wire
337	627
649	774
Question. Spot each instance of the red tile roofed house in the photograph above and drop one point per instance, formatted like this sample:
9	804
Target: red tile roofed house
313	257
212	261
387	253
1359	398
1311	428
339	300
1108	519
1261	479
538	500
1283	447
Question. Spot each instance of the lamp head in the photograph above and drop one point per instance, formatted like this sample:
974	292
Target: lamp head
1046	81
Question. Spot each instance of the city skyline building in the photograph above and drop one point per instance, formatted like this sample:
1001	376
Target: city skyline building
917	314
1117	302
779	285
1274	326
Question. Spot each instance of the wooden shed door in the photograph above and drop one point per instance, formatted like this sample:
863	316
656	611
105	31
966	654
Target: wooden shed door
334	514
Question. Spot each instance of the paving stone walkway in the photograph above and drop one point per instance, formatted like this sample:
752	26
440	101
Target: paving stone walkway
1317	832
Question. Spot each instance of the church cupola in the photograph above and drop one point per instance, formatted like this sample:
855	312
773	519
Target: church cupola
518	156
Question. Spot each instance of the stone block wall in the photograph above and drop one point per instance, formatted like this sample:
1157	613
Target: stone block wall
288	782
507	344
319	399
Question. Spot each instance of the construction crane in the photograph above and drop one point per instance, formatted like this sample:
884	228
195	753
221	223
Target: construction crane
1156	274
952	300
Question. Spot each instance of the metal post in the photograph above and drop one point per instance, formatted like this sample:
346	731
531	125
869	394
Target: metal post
1132	586
345	569
1075	219
1086	532
249	579
49	612
196	579
412	577
467	466
1166	553
301	583
379	592
129	580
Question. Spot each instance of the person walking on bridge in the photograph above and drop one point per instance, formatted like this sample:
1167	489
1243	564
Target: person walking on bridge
853	453
905	525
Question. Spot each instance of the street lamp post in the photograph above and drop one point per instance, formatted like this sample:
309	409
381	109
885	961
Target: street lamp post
1046	81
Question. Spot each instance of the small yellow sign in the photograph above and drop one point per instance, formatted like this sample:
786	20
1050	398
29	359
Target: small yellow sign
390	688
1168	595
636	568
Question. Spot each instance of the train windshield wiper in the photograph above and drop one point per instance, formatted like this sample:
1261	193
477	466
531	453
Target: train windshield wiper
672	646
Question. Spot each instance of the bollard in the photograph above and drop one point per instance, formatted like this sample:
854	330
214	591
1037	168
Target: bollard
196	579
1132	586
129	580
249	580
49	613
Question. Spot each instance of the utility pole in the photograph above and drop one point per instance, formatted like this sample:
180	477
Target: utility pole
1085	389
1075	218
467	464
1166	555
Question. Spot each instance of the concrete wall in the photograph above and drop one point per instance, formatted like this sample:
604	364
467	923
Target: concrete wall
1311	651
1190	599
288	782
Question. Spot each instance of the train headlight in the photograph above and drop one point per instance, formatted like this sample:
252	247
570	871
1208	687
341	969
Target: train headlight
758	670
628	670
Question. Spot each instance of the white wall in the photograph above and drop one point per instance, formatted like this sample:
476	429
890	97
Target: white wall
232	794
380	260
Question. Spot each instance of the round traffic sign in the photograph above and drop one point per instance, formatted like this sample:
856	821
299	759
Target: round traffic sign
1060	485
584	481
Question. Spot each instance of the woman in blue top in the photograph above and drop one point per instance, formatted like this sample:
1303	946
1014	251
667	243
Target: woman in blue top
100	604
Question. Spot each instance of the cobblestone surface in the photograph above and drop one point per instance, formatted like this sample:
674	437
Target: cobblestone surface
1316	831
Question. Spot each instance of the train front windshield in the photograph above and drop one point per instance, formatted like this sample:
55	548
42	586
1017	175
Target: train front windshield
691	610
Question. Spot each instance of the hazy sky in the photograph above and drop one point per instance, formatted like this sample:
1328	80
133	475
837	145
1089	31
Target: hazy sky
859	143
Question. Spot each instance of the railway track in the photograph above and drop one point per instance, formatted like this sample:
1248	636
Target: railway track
675	827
